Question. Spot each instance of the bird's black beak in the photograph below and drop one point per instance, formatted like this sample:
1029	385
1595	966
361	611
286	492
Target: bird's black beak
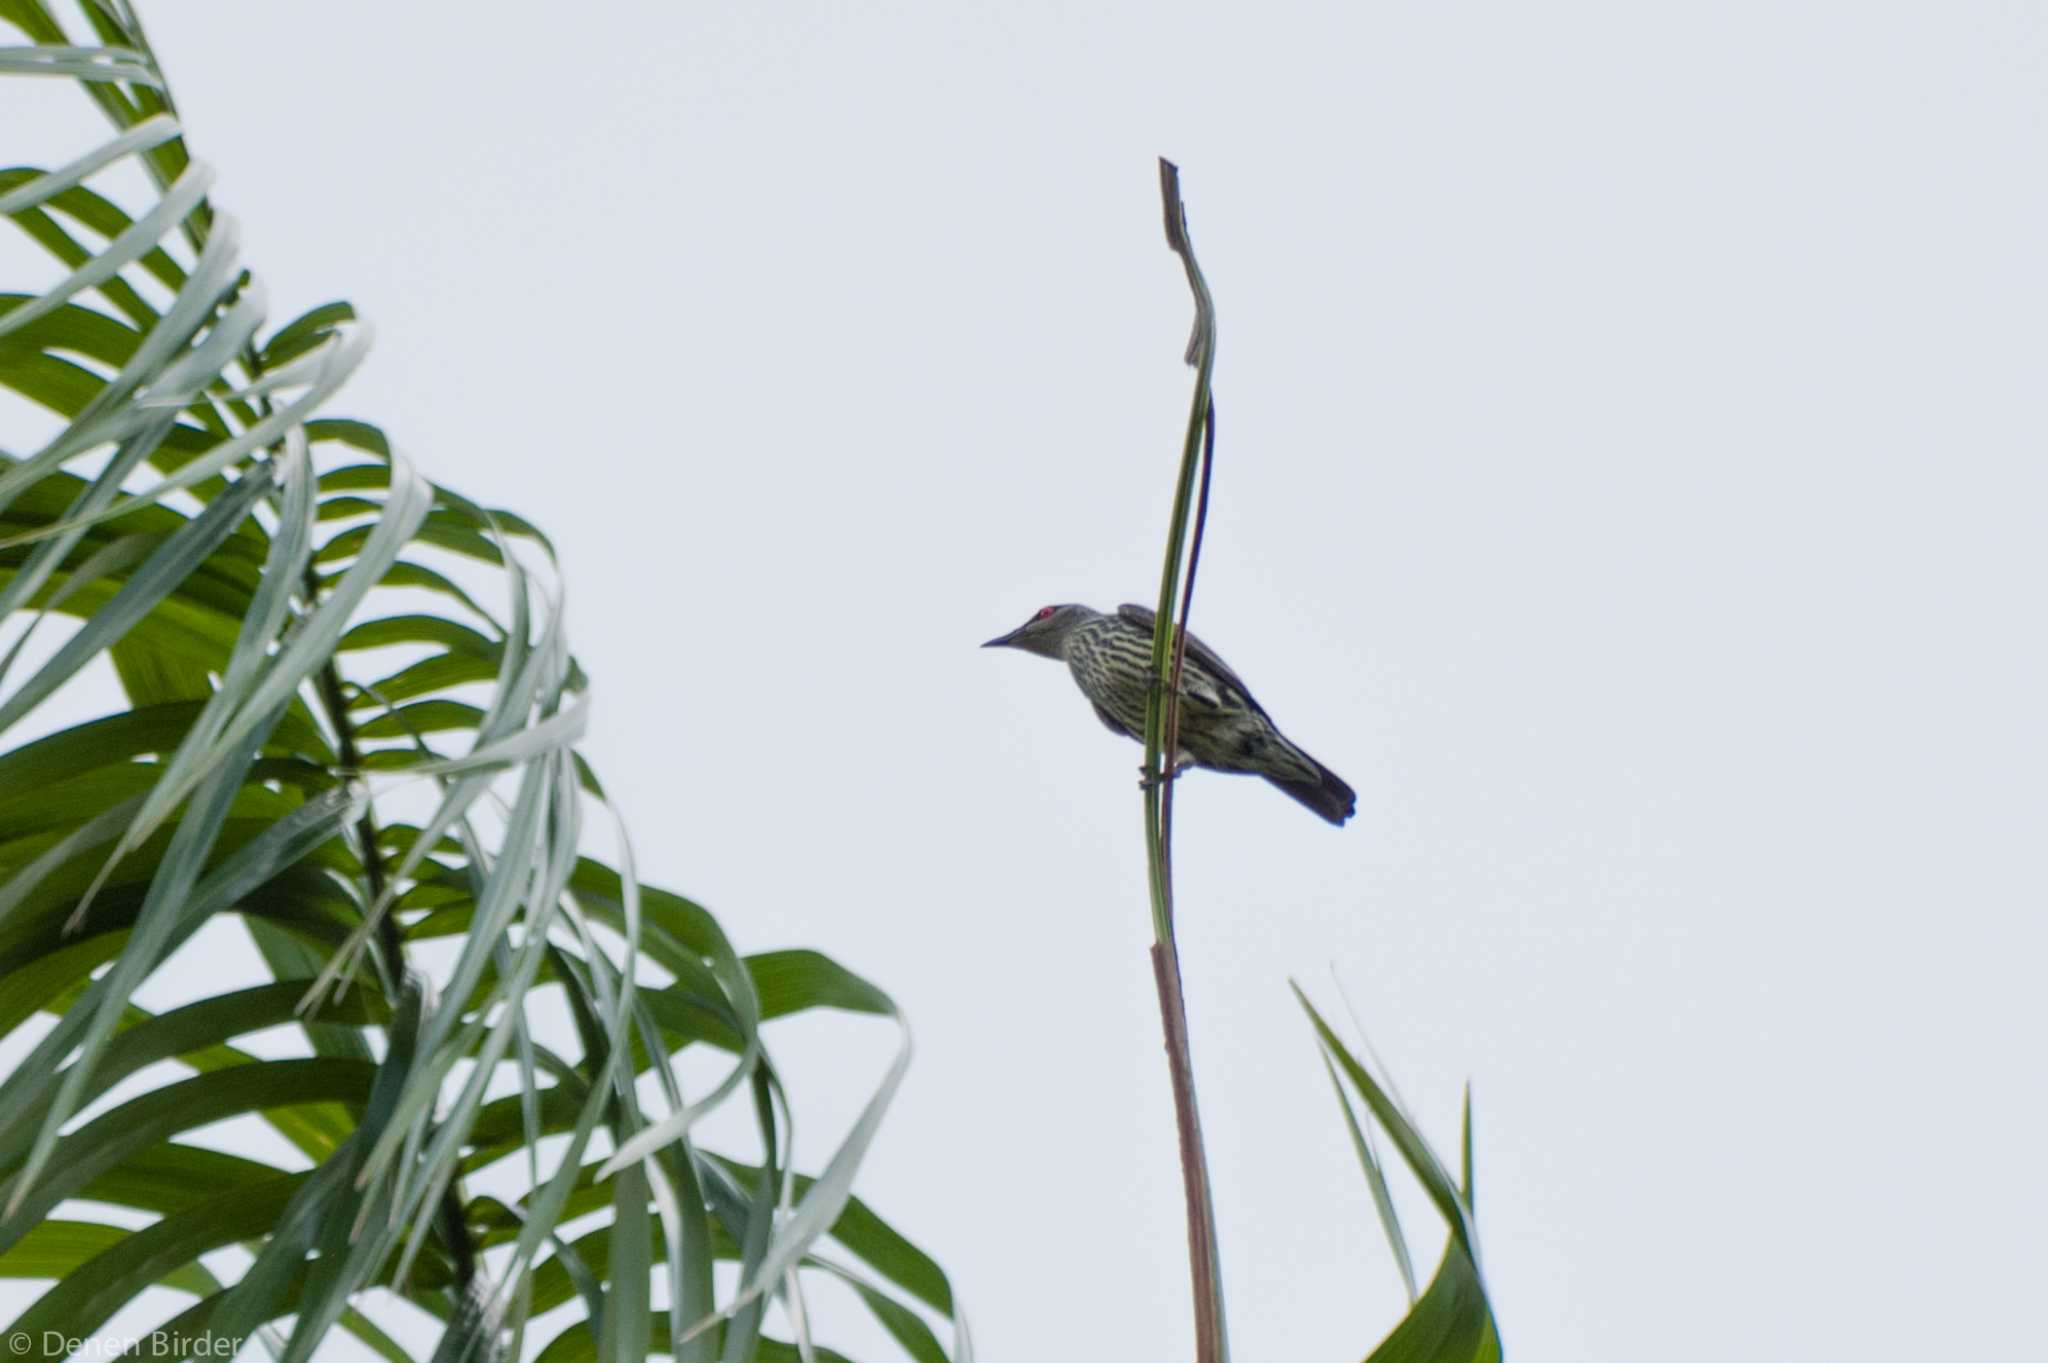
1004	640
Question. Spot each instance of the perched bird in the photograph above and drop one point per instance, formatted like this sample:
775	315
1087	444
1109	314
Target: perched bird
1221	726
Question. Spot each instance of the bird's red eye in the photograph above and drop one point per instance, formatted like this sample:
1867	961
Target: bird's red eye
1044	614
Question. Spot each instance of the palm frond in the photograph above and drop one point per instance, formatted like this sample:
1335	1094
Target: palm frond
348	738
1452	1321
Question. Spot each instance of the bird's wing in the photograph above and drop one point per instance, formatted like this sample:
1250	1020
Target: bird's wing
1144	616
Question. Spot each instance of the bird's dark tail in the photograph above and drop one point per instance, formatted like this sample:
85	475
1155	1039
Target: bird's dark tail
1324	792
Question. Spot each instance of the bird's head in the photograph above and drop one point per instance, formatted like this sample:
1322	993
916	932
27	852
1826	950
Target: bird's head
1045	633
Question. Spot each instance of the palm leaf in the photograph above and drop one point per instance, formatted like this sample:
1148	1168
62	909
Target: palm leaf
1452	1321
313	759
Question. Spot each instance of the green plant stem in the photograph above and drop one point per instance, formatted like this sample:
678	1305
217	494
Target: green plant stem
1170	742
1162	724
1162	709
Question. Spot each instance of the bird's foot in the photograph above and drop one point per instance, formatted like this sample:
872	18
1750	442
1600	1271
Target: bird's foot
1146	780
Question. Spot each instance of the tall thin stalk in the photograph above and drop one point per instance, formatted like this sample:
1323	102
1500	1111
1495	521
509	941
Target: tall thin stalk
1162	729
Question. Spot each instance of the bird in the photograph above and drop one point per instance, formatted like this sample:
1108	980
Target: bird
1221	727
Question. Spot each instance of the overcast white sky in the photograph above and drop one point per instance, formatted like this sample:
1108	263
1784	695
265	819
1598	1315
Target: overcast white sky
1630	480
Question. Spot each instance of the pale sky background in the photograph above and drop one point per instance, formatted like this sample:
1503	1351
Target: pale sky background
1630	480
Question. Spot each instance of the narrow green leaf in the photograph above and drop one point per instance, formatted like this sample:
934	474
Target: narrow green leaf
821	1205
304	332
107	1140
123	250
791	981
1414	1150
1451	1324
146	586
627	1333
151	132
1376	1179
92	1290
